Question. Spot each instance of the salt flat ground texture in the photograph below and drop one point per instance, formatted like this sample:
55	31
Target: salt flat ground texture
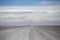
31	33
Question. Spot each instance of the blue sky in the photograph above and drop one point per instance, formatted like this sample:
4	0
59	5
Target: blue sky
28	2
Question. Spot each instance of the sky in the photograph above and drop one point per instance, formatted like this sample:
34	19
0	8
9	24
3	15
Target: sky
33	12
28	2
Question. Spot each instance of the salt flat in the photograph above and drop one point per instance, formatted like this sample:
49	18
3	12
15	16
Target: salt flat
31	33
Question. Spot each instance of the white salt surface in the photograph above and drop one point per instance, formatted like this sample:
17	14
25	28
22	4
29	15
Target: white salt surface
30	33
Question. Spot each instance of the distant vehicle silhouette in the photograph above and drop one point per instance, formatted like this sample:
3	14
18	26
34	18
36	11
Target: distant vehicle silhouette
28	25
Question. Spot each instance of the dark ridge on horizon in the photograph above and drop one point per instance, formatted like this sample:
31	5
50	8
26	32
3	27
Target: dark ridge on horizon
14	27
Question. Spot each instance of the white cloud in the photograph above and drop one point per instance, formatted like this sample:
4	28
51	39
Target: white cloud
39	14
30	9
34	17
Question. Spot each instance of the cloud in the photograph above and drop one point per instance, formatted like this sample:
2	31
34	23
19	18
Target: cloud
32	15
30	9
48	3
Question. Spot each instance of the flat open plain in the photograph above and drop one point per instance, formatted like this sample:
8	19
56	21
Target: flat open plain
30	33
